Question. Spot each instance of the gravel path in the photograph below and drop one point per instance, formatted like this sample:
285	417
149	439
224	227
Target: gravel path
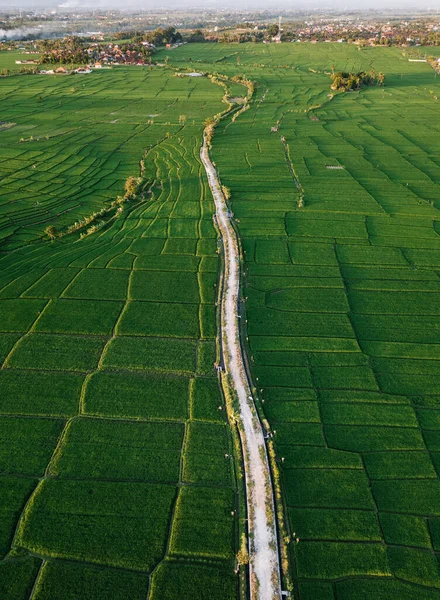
263	551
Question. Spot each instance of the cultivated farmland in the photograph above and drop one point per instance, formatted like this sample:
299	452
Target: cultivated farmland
118	471
117	476
337	203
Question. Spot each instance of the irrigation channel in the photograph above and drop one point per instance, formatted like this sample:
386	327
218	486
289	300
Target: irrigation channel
264	566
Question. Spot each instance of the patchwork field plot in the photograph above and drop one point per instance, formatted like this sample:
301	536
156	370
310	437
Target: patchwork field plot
117	462
342	286
112	423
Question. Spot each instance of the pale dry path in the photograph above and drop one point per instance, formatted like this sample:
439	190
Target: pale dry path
264	560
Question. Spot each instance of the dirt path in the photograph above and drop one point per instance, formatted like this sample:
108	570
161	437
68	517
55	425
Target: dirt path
263	551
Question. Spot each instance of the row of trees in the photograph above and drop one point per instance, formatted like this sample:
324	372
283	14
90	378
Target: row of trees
68	50
158	37
342	81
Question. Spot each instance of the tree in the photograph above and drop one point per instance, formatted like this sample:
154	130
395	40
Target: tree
131	186
272	30
51	232
380	78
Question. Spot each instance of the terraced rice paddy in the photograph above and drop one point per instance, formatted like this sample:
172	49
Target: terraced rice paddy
118	478
342	286
116	471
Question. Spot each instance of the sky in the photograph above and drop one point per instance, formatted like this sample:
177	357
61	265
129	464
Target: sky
217	4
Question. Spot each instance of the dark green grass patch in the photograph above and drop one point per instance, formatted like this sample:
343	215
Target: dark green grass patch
368	414
271	343
79	316
370	255
147	246
180	246
207	316
401	349
27	444
434	528
191	581
7	341
206	355
382	589
99	284
399	465
272	252
315	590
309	457
274	322
14	491
203	524
17	577
51	284
414	565
280	359
117	524
137	395
392	303
72	581
308	434
412	496
208	287
335	524
99	449
282	377
332	560
33	393
313	254
345	377
19	314
429	418
329	488
157	286
122	261
308	300
151	353
405	530
57	352
358	438
302	411
161	319
361	396
409	383
207	247
17	286
172	263
206	458
398	328
206	400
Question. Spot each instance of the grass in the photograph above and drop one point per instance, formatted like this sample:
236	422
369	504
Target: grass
108	523
341	285
73	581
41	434
136	395
108	340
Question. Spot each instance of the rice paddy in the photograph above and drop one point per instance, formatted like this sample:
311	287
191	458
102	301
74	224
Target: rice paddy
112	420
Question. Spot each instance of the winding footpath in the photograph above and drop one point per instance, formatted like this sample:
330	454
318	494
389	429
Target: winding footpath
264	564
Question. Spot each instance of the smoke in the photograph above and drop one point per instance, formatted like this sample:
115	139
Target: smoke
30	33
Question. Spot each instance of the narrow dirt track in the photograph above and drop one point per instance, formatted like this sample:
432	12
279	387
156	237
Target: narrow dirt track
263	552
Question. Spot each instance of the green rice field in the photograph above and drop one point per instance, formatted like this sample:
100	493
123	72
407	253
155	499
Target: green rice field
341	276
119	476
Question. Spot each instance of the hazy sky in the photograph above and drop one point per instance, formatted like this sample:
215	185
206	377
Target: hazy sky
237	4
